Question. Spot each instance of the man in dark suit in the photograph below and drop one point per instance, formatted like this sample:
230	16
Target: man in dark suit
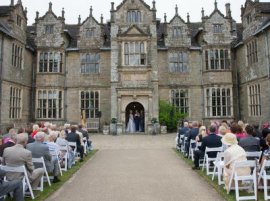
192	134
74	137
211	141
250	143
14	186
39	149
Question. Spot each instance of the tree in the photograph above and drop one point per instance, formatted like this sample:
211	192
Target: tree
169	116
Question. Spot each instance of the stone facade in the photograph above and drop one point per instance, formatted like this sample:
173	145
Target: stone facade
211	70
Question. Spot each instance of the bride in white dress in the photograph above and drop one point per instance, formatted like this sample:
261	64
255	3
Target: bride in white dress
131	123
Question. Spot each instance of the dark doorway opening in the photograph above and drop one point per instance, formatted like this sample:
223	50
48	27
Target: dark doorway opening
135	108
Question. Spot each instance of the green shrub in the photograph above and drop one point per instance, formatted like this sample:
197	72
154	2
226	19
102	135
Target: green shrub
169	116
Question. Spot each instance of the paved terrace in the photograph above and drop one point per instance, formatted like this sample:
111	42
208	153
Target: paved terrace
135	168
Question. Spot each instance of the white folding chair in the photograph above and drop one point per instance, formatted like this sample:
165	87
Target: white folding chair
58	162
192	146
218	168
254	155
74	147
207	160
25	179
244	178
264	177
41	161
1	160
182	141
64	149
183	150
86	147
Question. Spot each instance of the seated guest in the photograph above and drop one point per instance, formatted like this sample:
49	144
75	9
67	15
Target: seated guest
17	156
211	141
194	131
35	130
250	143
6	137
238	131
202	134
29	131
11	142
62	142
85	134
14	186
266	153
183	131
233	154
263	144
39	149
74	137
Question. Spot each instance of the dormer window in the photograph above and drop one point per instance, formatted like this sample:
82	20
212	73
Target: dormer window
134	16
90	33
176	32
217	28
49	29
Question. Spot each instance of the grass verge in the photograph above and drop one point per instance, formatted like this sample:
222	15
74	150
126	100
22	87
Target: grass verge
49	190
214	184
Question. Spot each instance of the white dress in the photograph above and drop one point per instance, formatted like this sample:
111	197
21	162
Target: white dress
131	124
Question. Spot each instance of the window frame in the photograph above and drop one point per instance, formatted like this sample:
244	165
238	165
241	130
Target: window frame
217	59
134	53
49	104
254	100
50	62
181	103
178	62
90	61
85	102
15	103
218	102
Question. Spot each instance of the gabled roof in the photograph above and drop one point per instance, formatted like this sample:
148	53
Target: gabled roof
177	16
264	7
124	1
135	28
216	11
48	12
90	17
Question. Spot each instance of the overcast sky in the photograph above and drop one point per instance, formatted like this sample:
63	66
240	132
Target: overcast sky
74	8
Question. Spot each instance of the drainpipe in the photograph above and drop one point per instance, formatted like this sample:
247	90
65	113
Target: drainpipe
65	87
1	79
266	38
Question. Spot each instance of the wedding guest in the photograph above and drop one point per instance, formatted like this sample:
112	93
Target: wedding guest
233	154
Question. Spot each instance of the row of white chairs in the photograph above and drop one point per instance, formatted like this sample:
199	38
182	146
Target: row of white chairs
214	167
45	177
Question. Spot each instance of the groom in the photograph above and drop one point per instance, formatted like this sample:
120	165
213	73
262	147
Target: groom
137	120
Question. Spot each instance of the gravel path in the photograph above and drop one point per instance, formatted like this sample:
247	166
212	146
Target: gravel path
135	168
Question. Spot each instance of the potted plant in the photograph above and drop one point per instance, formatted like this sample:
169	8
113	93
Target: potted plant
154	125
114	126
106	128
163	128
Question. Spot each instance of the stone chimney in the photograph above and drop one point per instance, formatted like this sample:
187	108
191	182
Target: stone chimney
216	5
12	3
19	2
228	9
112	6
37	15
176	10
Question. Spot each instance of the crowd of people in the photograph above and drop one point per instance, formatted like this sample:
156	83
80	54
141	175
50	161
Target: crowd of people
19	147
235	138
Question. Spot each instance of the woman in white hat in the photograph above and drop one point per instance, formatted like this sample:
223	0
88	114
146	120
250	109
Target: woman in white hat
232	154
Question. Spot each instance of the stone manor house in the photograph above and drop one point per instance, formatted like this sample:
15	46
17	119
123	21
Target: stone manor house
214	69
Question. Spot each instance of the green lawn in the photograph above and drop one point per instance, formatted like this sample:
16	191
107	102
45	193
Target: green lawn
49	190
220	189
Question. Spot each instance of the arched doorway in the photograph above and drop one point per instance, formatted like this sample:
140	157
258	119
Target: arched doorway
138	114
